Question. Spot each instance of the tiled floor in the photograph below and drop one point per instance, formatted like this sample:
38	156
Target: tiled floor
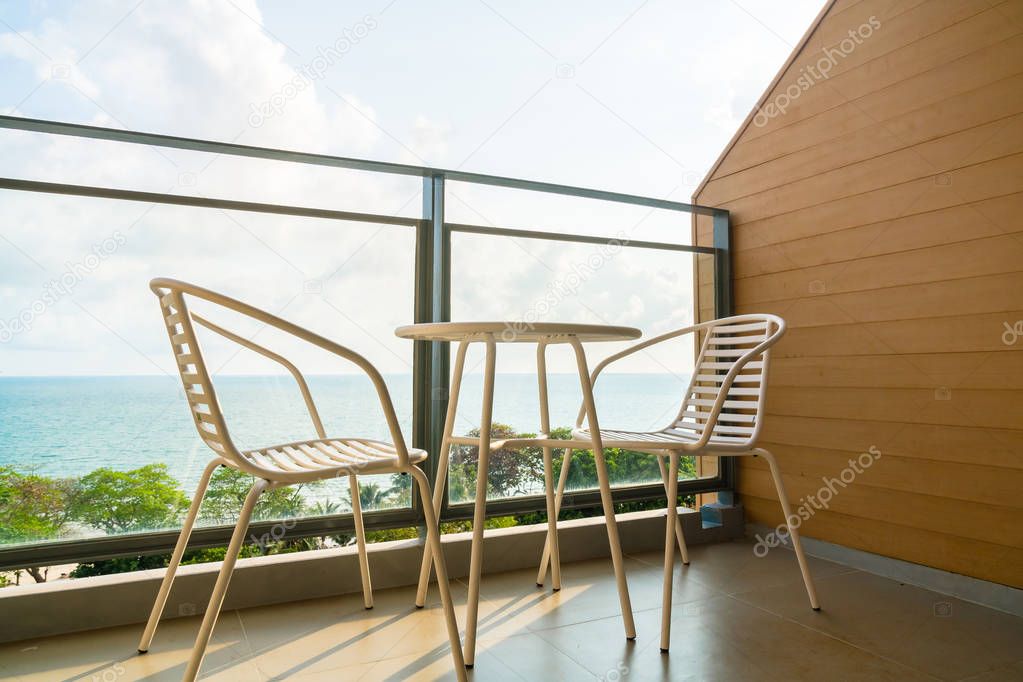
736	617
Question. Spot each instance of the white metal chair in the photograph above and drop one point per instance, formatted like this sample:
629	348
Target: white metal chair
721	414
280	465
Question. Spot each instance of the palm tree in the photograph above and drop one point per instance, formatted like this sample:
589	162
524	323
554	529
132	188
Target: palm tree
372	496
325	508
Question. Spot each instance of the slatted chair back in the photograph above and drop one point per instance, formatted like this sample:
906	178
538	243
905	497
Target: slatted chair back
195	377
730	380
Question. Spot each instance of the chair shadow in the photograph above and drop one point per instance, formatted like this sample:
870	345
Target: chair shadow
98	671
298	667
491	622
486	624
212	666
226	657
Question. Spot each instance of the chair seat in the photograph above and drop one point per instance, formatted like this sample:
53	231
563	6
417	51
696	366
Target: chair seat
313	459
666	439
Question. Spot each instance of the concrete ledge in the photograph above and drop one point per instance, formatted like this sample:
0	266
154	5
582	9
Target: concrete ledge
993	595
104	601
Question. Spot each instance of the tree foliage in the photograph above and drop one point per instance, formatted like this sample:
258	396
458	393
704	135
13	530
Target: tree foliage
624	467
227	492
32	507
141	499
510	472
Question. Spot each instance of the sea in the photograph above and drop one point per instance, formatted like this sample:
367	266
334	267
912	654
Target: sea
69	426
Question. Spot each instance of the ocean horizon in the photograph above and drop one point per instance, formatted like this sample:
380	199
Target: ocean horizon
67	426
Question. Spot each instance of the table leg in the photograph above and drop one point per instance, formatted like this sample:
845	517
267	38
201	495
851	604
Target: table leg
479	513
442	467
605	488
548	469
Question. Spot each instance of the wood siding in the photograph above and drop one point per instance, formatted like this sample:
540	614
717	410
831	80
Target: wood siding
880	215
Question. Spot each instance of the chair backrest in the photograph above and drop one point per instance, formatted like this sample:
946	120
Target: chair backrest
732	365
199	390
202	398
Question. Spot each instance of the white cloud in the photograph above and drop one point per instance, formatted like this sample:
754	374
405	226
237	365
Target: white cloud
197	68
189	68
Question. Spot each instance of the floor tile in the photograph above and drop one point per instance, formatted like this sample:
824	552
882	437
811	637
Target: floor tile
941	635
732	567
1010	673
322	635
111	654
511	603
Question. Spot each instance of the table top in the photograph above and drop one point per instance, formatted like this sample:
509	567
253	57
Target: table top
517	331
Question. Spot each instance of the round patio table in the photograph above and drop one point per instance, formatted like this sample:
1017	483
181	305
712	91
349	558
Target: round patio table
543	334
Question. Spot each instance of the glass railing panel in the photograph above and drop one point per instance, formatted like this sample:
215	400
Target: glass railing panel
522	280
95	433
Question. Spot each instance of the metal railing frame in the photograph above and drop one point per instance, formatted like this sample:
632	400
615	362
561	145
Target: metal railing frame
432	303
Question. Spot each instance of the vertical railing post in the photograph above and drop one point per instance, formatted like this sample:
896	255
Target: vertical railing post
433	304
724	306
723	302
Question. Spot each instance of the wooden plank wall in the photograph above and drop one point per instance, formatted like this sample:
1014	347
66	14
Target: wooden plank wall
881	216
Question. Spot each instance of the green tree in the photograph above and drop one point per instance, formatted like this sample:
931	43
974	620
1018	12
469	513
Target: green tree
511	472
146	562
32	508
325	508
623	466
401	490
227	492
120	565
142	499
373	496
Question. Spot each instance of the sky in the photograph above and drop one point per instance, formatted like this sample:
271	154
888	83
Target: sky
637	97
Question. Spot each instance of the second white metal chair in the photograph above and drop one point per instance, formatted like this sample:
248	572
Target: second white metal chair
276	466
721	414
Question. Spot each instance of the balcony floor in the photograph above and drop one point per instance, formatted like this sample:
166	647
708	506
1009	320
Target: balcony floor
736	617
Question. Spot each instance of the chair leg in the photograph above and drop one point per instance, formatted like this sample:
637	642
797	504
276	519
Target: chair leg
427	562
559	496
683	550
440	566
551	546
175	560
442	465
223	579
360	539
669	550
797	545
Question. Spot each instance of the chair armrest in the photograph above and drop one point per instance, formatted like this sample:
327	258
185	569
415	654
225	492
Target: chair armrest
307	396
635	348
